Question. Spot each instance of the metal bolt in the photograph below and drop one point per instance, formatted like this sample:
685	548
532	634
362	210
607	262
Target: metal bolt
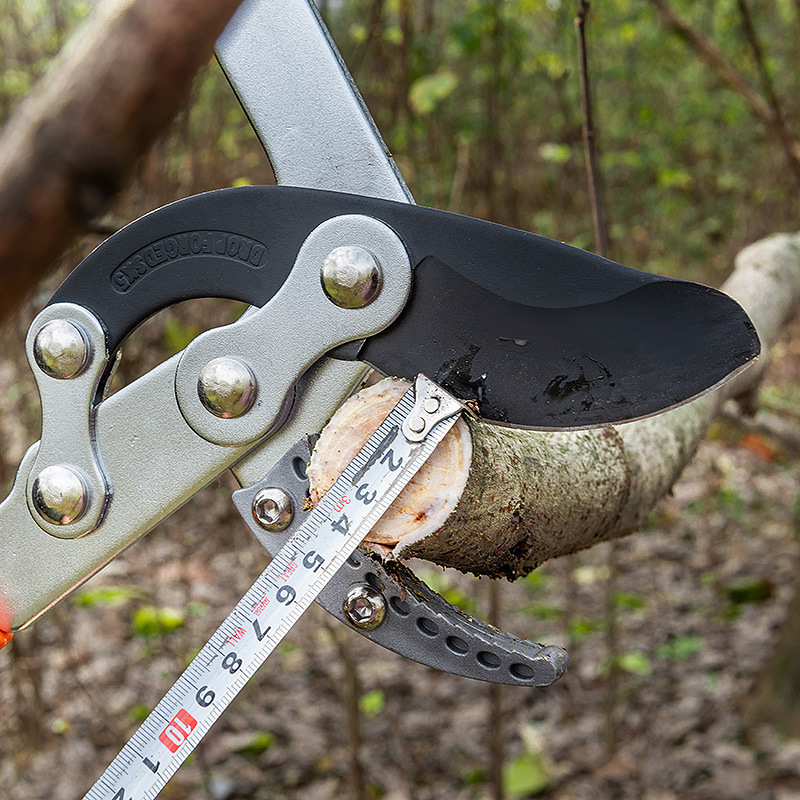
59	495
364	608
416	424
272	509
61	349
431	405
351	277
227	387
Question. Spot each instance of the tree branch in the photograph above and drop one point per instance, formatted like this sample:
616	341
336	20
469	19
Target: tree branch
714	57
71	145
530	495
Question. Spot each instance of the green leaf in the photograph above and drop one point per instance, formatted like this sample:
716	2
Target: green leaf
428	92
151	621
177	334
629	600
537	580
544	611
635	662
474	776
139	712
581	627
555	153
260	743
731	502
372	702
525	776
107	596
681	648
750	590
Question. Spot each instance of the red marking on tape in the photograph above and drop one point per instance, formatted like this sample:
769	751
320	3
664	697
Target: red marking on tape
235	636
179	727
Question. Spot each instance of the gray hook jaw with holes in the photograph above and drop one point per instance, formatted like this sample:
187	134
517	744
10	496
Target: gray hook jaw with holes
417	622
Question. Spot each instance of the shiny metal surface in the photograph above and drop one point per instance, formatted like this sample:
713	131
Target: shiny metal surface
351	277
68	415
317	132
431	405
364	608
157	463
295	328
273	509
226	387
60	495
303	103
60	349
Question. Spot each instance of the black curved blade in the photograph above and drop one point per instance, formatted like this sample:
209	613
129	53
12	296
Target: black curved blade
653	347
597	342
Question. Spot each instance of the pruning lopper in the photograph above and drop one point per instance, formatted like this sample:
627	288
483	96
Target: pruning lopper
342	272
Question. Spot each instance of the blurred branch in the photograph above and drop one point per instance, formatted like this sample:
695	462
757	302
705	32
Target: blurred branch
781	128
714	57
590	135
72	144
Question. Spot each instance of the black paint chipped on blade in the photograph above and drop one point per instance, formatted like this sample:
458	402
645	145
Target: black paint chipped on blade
647	350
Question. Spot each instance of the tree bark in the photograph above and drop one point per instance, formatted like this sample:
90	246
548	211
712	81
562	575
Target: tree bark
70	146
529	496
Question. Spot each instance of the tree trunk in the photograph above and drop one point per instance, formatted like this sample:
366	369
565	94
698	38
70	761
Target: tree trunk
70	146
523	497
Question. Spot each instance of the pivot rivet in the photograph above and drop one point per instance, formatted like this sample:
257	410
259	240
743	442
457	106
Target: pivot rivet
61	349
416	424
351	277
227	387
364	607
60	495
273	509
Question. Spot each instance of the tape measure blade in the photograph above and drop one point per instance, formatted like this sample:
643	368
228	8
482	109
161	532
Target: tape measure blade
269	608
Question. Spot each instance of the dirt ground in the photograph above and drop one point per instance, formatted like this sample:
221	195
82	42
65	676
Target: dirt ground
700	597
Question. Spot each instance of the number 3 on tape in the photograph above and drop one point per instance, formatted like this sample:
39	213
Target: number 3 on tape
179	727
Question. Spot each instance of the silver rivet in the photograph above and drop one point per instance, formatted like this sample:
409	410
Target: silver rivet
272	509
227	387
351	277
61	349
431	405
364	608
416	424
60	495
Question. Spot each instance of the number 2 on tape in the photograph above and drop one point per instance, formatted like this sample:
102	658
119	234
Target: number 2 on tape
179	727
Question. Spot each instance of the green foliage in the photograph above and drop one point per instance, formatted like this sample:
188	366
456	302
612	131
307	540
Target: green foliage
525	776
107	596
635	662
581	627
372	702
139	712
681	648
177	334
543	611
442	583
538	580
629	600
428	92
259	743
149	621
750	590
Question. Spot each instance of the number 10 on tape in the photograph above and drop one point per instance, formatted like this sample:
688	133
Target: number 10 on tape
178	728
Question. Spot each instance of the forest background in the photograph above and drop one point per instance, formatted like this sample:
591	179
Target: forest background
672	639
